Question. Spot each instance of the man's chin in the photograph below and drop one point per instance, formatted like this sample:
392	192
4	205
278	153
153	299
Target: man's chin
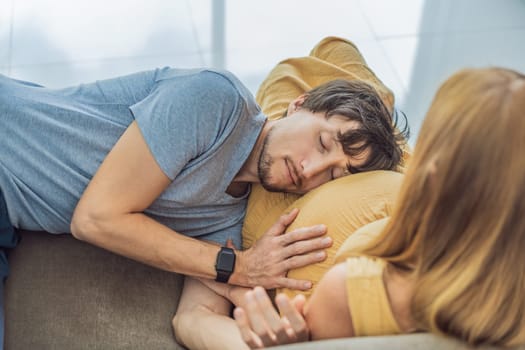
274	188
271	188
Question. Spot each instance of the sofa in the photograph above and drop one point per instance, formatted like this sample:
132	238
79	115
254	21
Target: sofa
67	294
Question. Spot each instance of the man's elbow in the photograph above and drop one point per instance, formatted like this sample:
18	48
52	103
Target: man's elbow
86	225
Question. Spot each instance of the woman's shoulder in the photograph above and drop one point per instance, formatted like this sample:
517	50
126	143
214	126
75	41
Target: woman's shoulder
360	266
327	305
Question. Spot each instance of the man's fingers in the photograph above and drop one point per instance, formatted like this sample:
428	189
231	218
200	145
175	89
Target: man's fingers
291	283
298	261
309	246
303	233
283	222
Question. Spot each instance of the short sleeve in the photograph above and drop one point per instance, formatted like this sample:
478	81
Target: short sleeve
368	300
221	237
184	116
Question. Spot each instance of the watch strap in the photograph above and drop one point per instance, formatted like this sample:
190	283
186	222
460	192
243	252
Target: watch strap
225	264
223	276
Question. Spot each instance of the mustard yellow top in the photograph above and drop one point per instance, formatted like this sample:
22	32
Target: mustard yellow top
367	297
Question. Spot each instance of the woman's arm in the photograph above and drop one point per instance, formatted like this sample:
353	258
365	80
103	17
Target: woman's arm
234	294
202	320
326	314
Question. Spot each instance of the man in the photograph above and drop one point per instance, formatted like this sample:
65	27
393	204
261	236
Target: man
143	164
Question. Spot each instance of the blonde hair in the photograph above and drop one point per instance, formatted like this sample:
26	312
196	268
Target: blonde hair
459	224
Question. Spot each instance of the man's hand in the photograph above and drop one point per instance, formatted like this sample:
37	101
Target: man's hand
260	324
268	261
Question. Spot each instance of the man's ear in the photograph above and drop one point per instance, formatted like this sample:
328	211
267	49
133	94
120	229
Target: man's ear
296	104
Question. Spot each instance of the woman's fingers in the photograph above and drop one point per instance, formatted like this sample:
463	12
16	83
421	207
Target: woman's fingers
261	325
295	318
257	319
251	339
271	317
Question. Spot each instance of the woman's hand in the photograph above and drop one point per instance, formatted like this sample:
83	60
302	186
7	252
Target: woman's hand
260	324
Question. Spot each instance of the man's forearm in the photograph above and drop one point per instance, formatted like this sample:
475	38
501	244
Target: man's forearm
137	236
141	238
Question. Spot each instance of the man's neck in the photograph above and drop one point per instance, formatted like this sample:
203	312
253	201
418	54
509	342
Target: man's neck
249	170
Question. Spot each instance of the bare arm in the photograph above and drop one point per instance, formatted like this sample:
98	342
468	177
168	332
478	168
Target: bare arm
110	215
202	320
326	315
110	212
326	312
234	294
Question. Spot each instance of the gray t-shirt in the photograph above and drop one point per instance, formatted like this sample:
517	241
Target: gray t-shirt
200	126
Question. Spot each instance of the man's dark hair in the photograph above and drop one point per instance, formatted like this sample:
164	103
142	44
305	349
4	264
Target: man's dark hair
377	129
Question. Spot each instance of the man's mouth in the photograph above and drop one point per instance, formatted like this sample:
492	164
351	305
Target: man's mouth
291	172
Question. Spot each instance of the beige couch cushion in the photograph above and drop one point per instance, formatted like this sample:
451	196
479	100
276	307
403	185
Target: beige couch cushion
67	294
420	341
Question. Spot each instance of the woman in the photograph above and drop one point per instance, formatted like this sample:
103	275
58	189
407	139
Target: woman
449	261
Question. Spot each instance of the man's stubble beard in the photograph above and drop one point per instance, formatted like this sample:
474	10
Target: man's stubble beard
265	164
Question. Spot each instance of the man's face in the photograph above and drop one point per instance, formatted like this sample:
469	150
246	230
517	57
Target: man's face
301	152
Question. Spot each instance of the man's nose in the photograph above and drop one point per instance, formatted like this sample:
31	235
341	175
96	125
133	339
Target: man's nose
317	166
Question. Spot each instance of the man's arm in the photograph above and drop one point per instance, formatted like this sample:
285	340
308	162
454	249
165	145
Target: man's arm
110	215
202	320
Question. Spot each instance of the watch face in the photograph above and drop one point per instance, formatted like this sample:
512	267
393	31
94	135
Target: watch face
226	260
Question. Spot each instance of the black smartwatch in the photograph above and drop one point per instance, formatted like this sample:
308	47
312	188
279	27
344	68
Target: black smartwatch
224	264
